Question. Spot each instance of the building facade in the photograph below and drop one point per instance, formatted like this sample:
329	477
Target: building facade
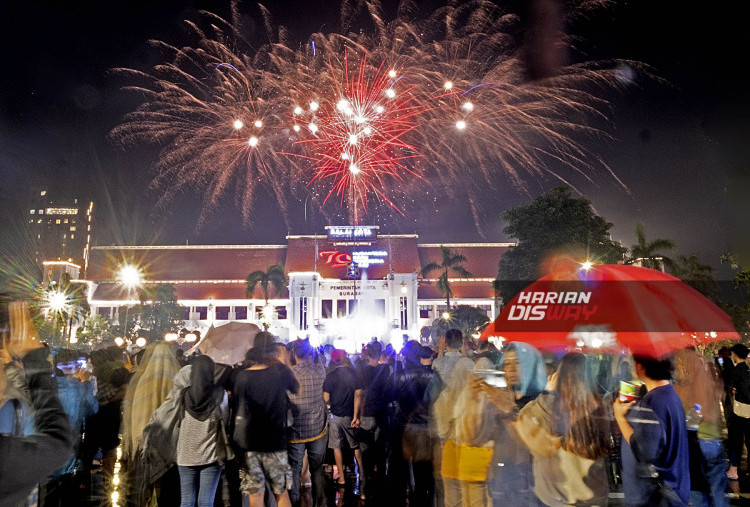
60	228
342	288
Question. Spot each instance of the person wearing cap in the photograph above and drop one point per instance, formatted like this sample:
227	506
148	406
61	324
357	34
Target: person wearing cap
342	392
739	426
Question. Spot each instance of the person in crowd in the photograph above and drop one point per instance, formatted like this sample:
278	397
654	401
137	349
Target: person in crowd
260	428
200	445
412	444
655	455
309	431
487	355
377	382
342	392
147	390
567	432
27	460
739	423
697	381
103	427
464	433
511	481
726	366
449	353
76	394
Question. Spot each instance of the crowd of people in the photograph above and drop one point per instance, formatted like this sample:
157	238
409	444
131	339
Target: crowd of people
455	424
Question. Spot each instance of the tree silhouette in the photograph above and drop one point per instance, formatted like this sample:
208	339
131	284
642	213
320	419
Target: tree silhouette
450	262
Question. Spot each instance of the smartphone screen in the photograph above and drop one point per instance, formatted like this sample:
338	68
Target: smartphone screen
495	378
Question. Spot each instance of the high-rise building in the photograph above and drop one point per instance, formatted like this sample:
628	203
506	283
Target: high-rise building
60	227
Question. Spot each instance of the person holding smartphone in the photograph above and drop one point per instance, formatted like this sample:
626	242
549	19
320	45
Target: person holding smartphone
26	460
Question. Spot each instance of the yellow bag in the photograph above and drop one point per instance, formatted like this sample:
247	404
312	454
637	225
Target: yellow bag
465	462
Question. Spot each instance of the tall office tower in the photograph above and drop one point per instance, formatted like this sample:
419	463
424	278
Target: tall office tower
61	227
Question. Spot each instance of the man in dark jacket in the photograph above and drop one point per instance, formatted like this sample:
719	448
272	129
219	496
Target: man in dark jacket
25	461
738	426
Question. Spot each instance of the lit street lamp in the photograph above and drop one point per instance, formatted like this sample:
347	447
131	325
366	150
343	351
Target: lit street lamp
129	276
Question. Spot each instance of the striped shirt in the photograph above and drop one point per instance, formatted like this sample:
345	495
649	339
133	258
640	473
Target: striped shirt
308	408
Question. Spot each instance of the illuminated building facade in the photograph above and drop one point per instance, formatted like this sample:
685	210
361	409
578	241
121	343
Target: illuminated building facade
344	287
61	231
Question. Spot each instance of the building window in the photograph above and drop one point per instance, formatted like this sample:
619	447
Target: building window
72	236
352	306
39	221
202	312
57	221
31	220
187	314
222	313
103	311
65	221
65	236
326	308
424	311
341	308
72	228
240	312
41	212
31	211
404	312
280	312
303	313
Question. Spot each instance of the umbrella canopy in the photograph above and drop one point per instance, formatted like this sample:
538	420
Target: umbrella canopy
227	344
612	306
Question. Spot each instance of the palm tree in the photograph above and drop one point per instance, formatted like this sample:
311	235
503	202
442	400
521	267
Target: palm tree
451	262
274	276
651	254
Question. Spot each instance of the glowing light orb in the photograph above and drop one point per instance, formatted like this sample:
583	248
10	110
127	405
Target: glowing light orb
367	131
258	123
140	342
313	128
446	316
390	93
379	109
460	124
392	73
119	341
191	337
467	106
352	139
448	85
586	265
57	300
129	276
297	110
296	128
314	106
238	124
342	104
253	141
345	156
354	169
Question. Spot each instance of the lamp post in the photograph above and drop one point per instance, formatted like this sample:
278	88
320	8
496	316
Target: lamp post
129	276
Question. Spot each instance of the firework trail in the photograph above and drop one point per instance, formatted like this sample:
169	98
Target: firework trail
367	117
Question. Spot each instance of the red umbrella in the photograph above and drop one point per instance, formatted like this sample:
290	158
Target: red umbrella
609	306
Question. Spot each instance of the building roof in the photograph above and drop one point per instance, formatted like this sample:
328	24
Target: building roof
219	271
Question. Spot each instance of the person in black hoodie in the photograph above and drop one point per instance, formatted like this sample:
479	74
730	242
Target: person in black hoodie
739	427
25	461
411	445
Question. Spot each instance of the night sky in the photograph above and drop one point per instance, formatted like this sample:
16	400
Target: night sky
681	145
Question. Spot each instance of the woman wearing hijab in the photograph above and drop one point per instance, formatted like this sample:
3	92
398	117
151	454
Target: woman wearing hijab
511	481
200	444
148	389
567	432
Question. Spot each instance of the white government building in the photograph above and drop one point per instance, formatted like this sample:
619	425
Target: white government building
326	299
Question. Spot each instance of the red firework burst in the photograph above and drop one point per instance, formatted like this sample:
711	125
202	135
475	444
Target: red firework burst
358	135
